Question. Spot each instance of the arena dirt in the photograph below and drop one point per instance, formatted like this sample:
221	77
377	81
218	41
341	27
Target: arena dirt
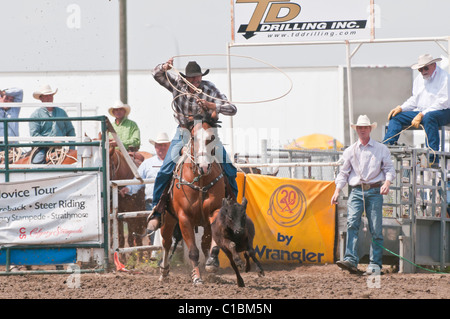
279	282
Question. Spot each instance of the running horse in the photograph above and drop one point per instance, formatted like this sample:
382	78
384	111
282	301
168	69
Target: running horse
198	187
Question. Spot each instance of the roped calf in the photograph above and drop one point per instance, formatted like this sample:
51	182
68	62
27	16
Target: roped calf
233	231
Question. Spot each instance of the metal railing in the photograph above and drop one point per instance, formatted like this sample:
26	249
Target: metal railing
7	169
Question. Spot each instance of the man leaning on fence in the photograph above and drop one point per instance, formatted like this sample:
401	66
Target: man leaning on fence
47	127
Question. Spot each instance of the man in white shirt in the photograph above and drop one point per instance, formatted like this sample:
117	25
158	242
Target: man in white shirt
369	171
429	104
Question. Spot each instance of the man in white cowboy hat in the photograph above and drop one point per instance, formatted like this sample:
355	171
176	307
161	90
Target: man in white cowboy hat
126	129
48	127
429	104
369	171
192	96
149	169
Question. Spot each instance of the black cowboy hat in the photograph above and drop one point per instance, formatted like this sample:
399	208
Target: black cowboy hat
193	69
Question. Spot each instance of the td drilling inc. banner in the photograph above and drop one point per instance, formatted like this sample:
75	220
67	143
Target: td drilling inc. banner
274	21
294	220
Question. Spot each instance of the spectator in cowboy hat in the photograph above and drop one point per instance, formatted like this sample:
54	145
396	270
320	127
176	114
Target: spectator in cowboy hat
7	112
126	129
48	127
429	105
368	169
149	169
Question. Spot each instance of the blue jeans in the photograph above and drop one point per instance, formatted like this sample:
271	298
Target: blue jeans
431	123
164	176
374	212
40	156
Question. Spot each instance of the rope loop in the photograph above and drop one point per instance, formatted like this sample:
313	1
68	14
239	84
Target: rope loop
198	91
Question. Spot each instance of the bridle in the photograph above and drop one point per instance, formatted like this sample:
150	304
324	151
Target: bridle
190	155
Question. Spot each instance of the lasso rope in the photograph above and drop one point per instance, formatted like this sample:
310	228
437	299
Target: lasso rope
14	154
56	155
198	91
239	56
426	139
409	261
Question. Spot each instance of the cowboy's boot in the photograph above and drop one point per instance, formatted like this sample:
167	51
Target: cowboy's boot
154	219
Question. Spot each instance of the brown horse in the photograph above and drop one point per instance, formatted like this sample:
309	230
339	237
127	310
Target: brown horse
119	170
197	193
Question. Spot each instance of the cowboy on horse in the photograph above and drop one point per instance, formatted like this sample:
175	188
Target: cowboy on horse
192	97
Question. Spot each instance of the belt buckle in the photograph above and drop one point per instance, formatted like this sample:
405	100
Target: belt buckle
365	187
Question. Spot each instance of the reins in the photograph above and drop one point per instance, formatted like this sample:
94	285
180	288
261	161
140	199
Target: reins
114	167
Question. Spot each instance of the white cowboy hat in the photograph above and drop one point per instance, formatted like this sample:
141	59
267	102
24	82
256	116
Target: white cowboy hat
424	59
120	105
160	138
44	90
363	120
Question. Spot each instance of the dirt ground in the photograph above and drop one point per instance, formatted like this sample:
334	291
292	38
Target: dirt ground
280	282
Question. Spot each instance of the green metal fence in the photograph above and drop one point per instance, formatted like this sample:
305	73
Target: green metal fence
8	170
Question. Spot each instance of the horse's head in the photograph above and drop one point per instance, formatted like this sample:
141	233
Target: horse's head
203	147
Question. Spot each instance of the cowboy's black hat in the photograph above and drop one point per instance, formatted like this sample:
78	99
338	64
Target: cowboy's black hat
193	69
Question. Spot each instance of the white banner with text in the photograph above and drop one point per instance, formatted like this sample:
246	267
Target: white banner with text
274	21
57	210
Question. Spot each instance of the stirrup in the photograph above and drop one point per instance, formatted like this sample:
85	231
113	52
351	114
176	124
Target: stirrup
151	215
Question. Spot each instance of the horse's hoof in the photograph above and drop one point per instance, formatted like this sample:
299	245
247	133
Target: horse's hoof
240	264
197	281
211	269
164	271
212	264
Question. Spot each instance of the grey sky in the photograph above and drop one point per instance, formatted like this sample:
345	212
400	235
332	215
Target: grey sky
45	35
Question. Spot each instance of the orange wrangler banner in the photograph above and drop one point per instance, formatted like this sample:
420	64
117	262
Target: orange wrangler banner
294	220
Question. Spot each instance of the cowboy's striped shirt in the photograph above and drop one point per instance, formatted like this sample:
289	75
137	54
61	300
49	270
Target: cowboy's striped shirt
184	104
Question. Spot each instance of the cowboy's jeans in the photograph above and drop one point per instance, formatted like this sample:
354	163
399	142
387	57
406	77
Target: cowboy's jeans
431	122
164	175
374	212
40	156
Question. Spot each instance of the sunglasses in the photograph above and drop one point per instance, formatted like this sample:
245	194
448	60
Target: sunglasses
425	68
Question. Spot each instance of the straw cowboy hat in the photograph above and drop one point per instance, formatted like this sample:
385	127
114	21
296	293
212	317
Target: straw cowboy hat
424	60
193	69
363	120
160	138
120	105
44	90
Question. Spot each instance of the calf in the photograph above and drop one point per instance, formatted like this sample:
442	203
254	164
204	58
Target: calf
233	231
